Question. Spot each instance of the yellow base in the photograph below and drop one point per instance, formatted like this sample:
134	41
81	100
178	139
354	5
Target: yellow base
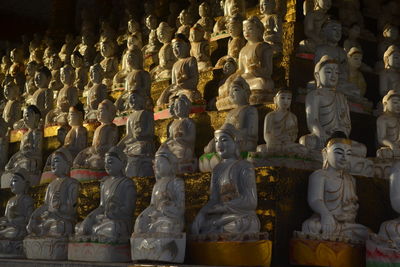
326	253
254	253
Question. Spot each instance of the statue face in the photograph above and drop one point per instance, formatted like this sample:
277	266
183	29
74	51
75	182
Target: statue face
164	35
106	49
225	146
235	29
30	118
74	117
251	32
180	49
11	91
283	100
355	60
41	80
229	68
333	32
196	35
151	22
184	18
113	165
95	74
393	105
180	108
238	95
55	63
17	184
103	114
328	75
394	60
203	11
266	6
162	167
135	101
324	4
132	26
132	60
66	76
59	166
338	156
392	33
76	61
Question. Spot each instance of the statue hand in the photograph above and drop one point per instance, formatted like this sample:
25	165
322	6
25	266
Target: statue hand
328	224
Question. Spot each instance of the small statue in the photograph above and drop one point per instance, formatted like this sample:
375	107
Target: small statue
354	58
97	93
162	223
12	109
313	24
272	24
55	65
43	96
81	71
389	77
105	137
153	46
166	55
388	127
229	67
233	194
237	41
110	62
182	134
185	74
281	129
390	37
206	21
30	86
17	68
200	48
186	23
67	97
138	143
230	9
332	196
112	220
133	30
86	48
67	49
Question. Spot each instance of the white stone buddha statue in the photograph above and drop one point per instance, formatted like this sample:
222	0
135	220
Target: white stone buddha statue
12	110
153	46
96	93
43	96
206	20
55	65
237	41
186	23
230	8
272	24
133	30
30	86
108	49
81	71
354	58
229	67
87	48
389	77
200	48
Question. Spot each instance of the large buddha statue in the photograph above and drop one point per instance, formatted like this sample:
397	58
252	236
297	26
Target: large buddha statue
185	74
108	49
272	24
313	24
96	93
182	134
232	204
43	96
105	137
81	71
166	55
138	143
66	98
389	77
200	48
281	129
333	198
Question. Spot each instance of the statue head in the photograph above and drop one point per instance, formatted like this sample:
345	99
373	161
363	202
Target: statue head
326	72
391	102
181	46
267	6
204	10
108	48
391	57
31	68
390	31
96	73
337	152
233	7
37	55
11	91
164	33
106	111
180	106
61	162
115	162
332	31
19	183
239	91
134	58
196	33
17	55
184	17
133	41
165	163
133	26
75	115
227	64
253	29
323	4
42	77
151	22
234	26
31	117
67	75
283	99
136	100
55	62
76	59
354	57
228	140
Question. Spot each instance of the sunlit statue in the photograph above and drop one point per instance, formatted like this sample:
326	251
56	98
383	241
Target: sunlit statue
206	20
200	48
186	23
55	65
67	49
30	86
333	198
233	194
185	74
272	24
313	24
86	48
166	55
230	8
389	77
43	96
105	137
138	143
162	222
109	63
12	109
66	98
390	37
96	93
281	129
153	46
237	41
17	68
81	71
133	30
182	134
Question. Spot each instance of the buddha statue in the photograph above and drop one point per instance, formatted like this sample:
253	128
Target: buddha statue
112	220
389	77
281	129
388	127
30	86
5	64
243	117
332	196
153	46
81	71
230	9
43	96
272	24
17	68
12	109
110	60
231	208
29	155
390	37
96	93
354	58
166	55
236	41
49	51
313	24
137	79
162	222
133	30
37	56
255	62
87	48
186	23
185	74
206	20
229	67
56	217
200	48
182	134
66	98
352	40
105	137
55	65
18	209
138	142
67	49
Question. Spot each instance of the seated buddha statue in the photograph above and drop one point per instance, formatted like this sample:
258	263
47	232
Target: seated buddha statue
66	98
17	68
67	49
112	220
133	29
185	23
55	65
185	74
57	216
43	96
229	67
233	197
153	46
332	196
272	24
12	109
206	20
281	128
81	71
354	58
230	8
105	137
389	77
96	93
138	143
86	48
200	48
110	60
236	41
30	87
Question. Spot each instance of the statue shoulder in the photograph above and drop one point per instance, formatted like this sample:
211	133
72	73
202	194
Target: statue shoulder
319	173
